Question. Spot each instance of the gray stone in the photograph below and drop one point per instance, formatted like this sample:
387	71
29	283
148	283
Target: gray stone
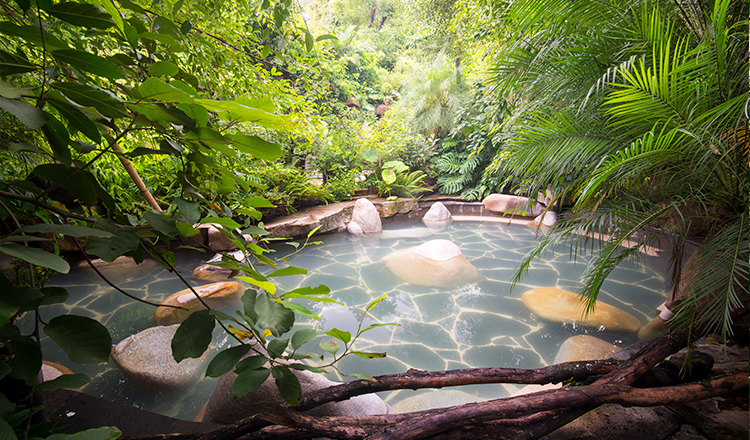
713	422
224	408
146	359
549	218
514	205
365	218
686	432
614	422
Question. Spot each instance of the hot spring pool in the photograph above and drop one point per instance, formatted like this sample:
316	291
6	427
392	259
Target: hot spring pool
480	324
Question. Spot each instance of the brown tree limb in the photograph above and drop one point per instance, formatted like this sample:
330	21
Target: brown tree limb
416	379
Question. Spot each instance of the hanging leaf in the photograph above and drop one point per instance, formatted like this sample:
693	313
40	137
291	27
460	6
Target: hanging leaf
193	336
185	27
71	230
11	92
248	381
288	384
330	346
88	62
162	223
78	119
84	340
29	115
225	360
276	347
302	337
190	211
88	96
165	68
287	271
255	146
58	139
340	335
36	256
251	363
265	285
81	14
122	241
112	10
368	355
309	41
273	316
26	360
11	64
228	222
243	112
66	381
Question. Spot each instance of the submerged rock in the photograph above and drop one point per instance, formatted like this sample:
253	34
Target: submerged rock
216	295
365	218
559	305
509	204
52	370
584	348
434	263
146	359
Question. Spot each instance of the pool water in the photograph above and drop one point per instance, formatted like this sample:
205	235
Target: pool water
479	324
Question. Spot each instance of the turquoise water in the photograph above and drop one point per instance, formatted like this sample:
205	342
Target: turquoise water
479	324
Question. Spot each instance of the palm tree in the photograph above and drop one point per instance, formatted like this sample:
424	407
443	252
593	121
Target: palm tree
637	111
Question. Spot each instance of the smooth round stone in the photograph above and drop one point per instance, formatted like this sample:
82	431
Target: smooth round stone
584	348
365	218
549	218
434	263
437	212
146	359
216	295
559	305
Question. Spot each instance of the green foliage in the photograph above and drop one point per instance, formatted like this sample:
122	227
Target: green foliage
397	180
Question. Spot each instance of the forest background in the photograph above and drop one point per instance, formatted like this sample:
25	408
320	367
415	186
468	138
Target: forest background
633	116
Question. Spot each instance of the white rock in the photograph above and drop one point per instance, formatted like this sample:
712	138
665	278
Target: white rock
365	217
434	263
514	205
437	212
549	218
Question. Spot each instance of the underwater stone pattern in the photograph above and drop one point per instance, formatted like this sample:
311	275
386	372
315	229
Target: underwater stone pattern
478	324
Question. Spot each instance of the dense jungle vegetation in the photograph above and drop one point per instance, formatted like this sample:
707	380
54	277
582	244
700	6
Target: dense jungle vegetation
631	115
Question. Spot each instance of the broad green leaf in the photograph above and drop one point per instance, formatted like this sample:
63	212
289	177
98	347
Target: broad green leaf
167	26
185	27
375	302
243	112
221	316
6	432
186	230
32	34
370	155
11	64
310	234
309	41
291	270
302	337
36	256
370	327
89	62
193	336
123	240
78	119
66	381
58	138
103	433
112	10
248	300
225	360
10	300
265	285
142	151
321	289
273	316
165	68
84	340
4	370
53	295
224	221
29	115
161	223
368	355
276	347
26	360
248	381
81	14
11	92
250	362
258	202
190	211
213	139
88	96
299	309
22	239
155	88
326	37
340	335
288	385
255	146
330	346
70	230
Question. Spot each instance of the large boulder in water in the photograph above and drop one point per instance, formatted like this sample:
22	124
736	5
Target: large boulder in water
559	305
146	359
216	296
437	212
509	204
365	218
433	263
224	408
584	348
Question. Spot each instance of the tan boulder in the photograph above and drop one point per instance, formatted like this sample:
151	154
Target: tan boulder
514	205
434	263
216	295
584	348
559	305
365	218
52	370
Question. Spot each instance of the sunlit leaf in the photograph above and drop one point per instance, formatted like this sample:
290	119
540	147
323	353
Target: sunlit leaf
88	62
330	346
340	335
11	64
368	355
375	302
29	115
81	14
287	271
256	146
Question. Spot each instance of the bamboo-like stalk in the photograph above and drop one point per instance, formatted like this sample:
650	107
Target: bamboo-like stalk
136	178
